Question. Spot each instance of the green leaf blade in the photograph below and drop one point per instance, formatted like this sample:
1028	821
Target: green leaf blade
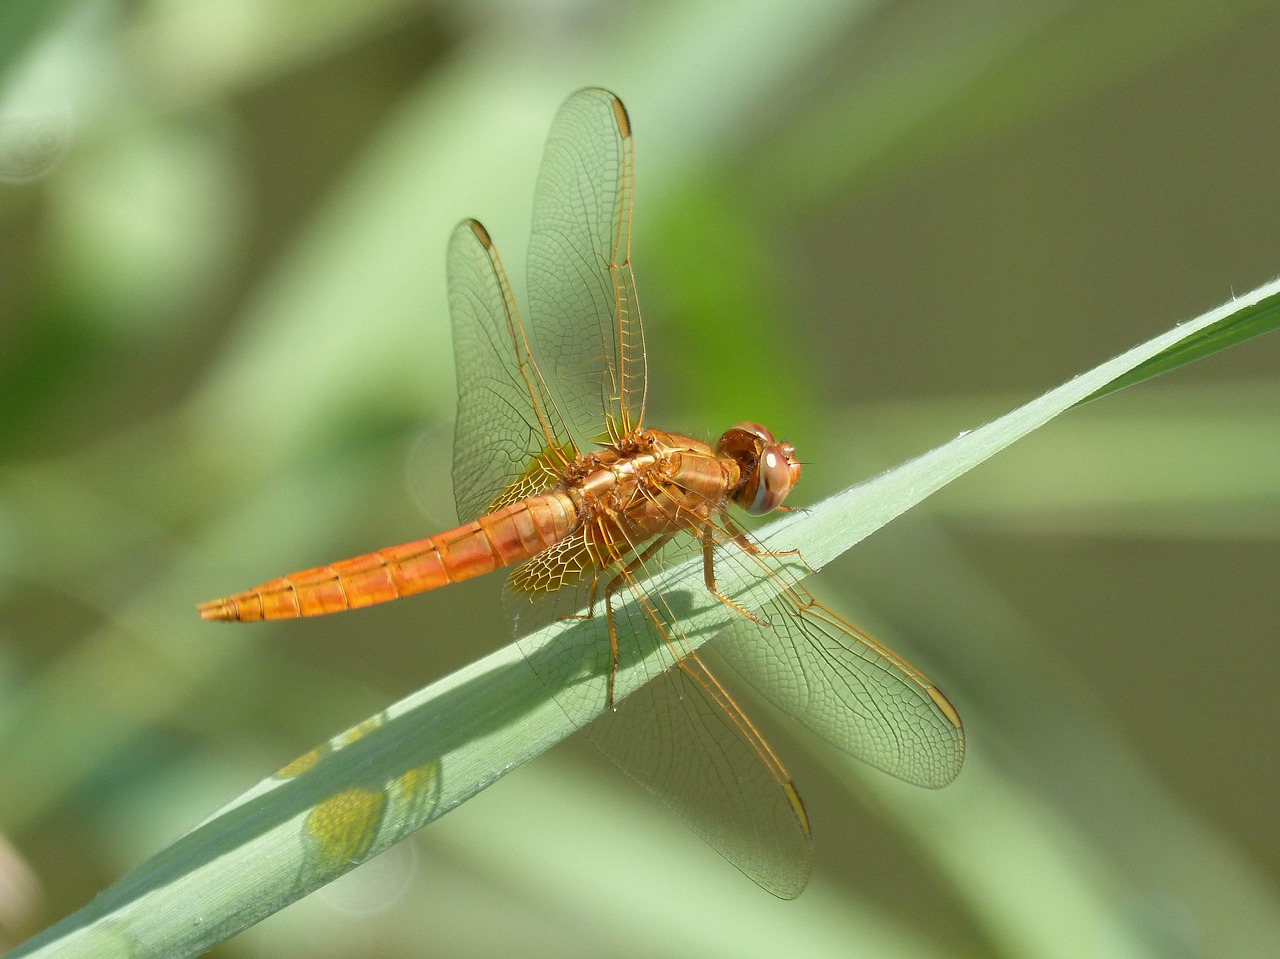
1257	318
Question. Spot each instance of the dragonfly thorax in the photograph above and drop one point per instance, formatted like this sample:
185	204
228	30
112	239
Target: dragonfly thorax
768	468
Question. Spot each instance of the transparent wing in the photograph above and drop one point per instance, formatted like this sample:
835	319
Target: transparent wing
582	294
674	728
831	676
685	740
519	423
507	435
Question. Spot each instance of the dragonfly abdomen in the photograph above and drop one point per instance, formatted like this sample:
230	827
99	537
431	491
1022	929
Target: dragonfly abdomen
502	538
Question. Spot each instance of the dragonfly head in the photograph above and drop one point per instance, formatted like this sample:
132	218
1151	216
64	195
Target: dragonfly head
769	468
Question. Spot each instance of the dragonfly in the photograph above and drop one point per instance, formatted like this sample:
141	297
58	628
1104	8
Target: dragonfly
557	475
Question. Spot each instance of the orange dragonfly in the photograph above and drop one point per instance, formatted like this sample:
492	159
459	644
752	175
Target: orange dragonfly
556	471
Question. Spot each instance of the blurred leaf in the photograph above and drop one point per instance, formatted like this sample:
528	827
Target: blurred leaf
971	74
20	22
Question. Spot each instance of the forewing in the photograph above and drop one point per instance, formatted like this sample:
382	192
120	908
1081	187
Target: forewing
859	696
582	294
508	441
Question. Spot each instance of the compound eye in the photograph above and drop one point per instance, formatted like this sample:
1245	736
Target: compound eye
772	480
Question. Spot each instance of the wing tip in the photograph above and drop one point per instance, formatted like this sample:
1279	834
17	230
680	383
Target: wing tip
481	234
621	117
940	700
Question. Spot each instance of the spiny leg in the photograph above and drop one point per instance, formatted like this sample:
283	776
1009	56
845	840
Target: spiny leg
707	535
743	541
592	595
624	575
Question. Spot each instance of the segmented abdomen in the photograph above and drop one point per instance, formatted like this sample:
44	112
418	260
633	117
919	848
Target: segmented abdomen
509	535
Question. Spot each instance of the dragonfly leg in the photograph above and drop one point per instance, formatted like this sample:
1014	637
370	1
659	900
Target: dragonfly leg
743	541
623	576
593	594
709	572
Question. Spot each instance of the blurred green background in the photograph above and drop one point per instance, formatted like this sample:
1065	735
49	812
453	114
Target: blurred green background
225	355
